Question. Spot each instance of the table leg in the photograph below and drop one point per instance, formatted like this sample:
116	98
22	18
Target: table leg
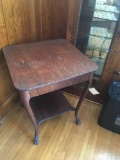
82	96
25	97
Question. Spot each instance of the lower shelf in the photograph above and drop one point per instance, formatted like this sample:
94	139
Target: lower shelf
49	105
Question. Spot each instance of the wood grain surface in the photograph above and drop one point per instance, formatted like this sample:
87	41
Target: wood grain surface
112	63
54	18
73	19
43	64
60	138
3	33
48	66
27	21
6	86
70	19
23	21
18	21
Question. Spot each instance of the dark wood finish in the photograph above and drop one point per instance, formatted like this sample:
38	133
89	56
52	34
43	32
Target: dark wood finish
73	20
44	107
62	83
47	62
49	105
76	90
24	21
113	63
39	68
5	82
85	90
54	18
70	19
84	24
25	97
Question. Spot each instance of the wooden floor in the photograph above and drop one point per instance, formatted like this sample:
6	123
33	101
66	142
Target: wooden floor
61	138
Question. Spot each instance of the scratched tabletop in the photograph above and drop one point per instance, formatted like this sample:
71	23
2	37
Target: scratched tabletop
34	65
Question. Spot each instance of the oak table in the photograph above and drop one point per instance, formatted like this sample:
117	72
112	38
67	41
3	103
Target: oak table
38	70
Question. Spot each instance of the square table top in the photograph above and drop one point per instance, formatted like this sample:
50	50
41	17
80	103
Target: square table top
37	64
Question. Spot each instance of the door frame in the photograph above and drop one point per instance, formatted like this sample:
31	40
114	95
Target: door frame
113	60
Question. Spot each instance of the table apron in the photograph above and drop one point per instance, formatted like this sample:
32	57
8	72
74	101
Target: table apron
59	85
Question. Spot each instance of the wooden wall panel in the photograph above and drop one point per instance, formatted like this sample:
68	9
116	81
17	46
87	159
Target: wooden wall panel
6	87
19	20
70	19
54	18
3	36
112	63
38	18
73	20
31	20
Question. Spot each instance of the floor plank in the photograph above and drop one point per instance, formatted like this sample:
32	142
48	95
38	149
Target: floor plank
60	137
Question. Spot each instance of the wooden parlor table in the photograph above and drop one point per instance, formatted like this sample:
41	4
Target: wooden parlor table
38	70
